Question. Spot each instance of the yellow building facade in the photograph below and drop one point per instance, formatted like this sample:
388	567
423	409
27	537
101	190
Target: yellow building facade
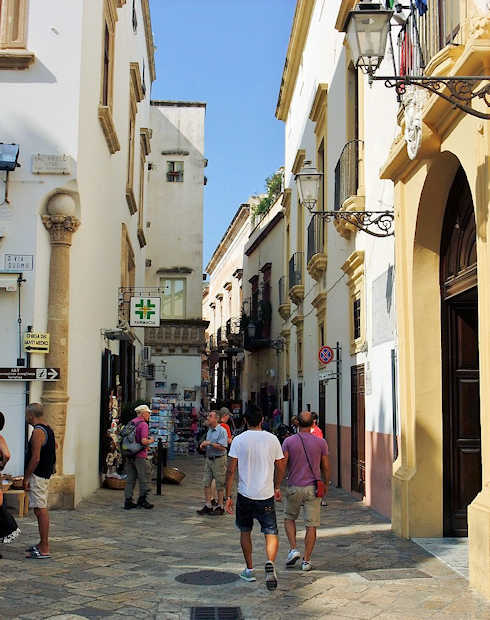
441	478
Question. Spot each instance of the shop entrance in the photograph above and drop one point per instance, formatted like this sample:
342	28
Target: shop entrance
358	430
462	470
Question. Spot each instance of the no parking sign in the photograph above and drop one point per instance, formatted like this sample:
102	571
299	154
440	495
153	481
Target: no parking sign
325	354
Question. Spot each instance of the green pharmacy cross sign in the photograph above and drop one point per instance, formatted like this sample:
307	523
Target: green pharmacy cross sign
145	312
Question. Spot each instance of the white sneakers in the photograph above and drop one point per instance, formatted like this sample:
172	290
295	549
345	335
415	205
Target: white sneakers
293	557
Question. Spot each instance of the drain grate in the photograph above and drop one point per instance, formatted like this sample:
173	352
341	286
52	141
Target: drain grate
216	613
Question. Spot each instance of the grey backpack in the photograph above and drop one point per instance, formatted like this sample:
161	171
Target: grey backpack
129	445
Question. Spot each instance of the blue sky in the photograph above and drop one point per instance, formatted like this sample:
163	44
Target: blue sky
230	54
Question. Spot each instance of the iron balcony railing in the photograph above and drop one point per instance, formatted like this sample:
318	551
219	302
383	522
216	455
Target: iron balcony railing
347	173
315	237
212	342
423	36
218	336
283	290
296	269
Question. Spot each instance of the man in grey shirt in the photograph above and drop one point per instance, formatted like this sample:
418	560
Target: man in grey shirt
215	465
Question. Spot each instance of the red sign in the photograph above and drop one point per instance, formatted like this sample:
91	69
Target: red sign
325	355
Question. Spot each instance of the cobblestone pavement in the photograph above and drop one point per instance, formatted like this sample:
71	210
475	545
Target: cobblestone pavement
110	563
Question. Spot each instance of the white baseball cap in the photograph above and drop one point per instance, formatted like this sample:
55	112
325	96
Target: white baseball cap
141	408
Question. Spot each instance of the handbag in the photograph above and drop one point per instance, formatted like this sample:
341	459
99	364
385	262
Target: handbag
319	484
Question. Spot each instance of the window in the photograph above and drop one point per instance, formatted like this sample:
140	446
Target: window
134	18
13	35
354	269
141	234
299	349
321	335
127	260
107	76
135	95
175	171
356	308
173	298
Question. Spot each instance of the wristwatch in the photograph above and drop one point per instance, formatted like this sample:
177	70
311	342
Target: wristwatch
227	498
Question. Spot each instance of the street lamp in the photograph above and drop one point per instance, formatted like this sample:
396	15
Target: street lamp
368	27
367	32
375	223
308	183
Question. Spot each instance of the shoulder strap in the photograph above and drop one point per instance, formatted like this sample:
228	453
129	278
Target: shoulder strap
306	454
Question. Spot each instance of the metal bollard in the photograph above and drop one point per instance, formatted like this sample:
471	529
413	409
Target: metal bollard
159	466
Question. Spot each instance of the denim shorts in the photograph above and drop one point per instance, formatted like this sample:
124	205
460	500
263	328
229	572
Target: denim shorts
263	510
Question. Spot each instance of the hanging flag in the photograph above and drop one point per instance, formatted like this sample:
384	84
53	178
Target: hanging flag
421	6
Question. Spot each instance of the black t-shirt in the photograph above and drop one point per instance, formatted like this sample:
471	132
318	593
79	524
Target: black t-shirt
47	459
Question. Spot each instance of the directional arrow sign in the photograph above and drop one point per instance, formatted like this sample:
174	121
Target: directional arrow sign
36	342
29	374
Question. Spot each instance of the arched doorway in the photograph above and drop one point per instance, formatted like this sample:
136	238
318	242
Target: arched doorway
462	474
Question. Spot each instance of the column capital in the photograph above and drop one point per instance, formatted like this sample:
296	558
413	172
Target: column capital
60	228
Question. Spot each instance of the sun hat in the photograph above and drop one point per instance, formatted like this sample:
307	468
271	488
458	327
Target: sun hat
141	408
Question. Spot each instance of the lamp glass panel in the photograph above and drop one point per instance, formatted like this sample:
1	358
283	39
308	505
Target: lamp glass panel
367	34
308	185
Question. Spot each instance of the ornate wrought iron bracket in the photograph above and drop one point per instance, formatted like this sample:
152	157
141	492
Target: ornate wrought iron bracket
375	223
461	89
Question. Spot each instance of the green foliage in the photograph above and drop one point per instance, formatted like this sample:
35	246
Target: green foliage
273	186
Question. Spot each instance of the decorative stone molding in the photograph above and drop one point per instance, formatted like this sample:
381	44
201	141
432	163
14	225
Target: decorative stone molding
298	161
60	228
353	203
297	293
141	237
318	112
146	135
285	311
354	269
109	129
286	202
298	322
317	265
16	59
320	304
150	47
136	81
131	200
227	286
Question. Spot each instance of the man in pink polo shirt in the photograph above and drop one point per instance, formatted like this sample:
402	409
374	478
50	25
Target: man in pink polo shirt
137	466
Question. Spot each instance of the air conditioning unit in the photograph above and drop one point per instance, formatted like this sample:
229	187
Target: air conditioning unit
146	354
150	371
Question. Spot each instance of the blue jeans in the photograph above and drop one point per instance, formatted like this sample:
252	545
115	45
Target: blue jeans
263	510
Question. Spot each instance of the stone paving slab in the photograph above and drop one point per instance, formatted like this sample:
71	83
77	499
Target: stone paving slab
115	564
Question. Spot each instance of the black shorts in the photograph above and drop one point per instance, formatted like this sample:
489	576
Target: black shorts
263	510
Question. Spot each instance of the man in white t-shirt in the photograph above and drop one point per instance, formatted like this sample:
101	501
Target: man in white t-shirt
261	466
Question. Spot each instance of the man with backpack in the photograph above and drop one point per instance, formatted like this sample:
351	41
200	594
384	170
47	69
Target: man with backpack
135	444
306	456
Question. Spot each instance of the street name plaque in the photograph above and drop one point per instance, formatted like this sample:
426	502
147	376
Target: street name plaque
29	374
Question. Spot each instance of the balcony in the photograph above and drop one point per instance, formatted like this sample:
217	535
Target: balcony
316	256
346	196
296	282
219	337
438	29
284	305
255	327
233	334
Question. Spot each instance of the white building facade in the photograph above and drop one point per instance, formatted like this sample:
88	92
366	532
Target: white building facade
174	227
340	280
76	81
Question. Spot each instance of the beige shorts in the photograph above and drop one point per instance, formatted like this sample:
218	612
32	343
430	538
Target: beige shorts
303	496
215	469
38	492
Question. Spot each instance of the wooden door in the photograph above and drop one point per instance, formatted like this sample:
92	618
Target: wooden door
462	476
358	434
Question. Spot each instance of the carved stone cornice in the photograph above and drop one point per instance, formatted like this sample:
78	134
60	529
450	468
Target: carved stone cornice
60	228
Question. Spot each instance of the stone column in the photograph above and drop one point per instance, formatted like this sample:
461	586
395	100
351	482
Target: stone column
61	223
